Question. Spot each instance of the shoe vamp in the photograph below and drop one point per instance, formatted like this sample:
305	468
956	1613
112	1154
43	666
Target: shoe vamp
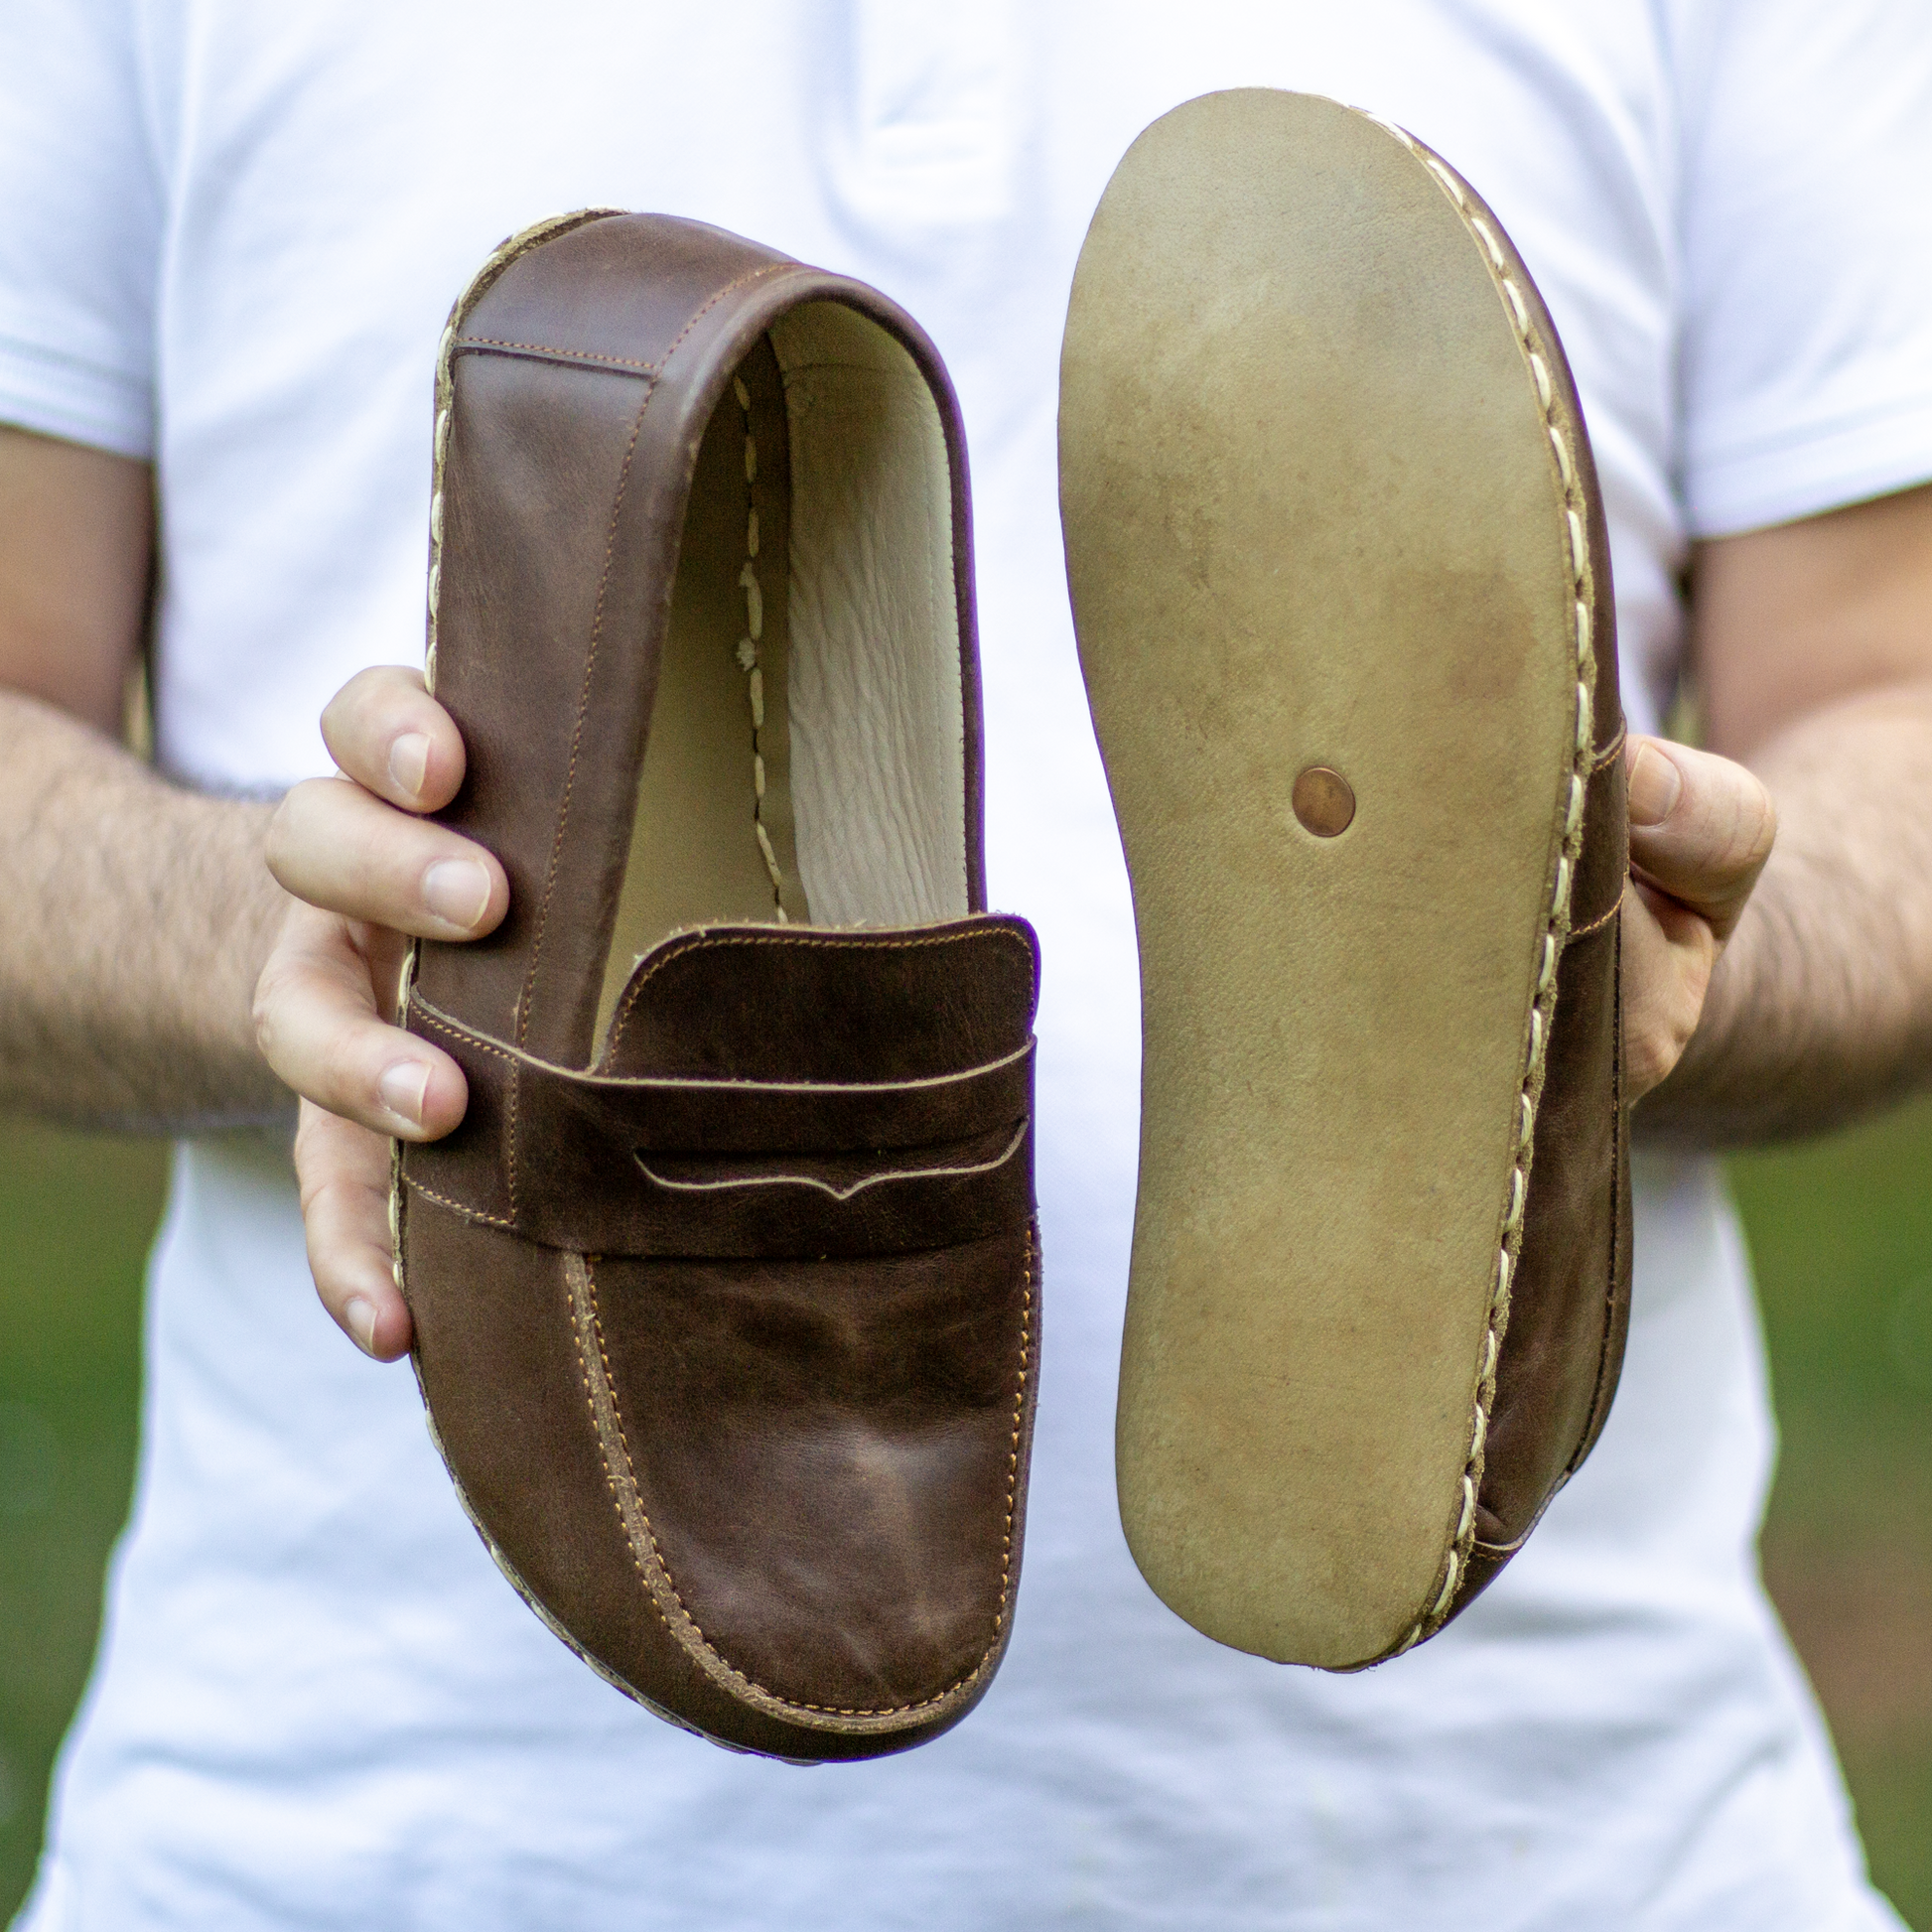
825	1452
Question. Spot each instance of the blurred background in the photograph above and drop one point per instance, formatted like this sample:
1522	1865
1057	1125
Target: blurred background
1842	1234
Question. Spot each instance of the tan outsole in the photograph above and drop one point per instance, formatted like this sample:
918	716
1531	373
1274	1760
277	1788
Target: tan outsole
1313	483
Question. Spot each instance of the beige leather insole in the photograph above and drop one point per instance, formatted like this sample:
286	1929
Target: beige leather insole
719	725
826	666
1313	520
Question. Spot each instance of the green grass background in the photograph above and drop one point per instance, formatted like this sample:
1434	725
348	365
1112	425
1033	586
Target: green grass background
1842	1234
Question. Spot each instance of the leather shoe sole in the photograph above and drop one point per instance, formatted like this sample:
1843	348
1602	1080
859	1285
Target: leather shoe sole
1342	595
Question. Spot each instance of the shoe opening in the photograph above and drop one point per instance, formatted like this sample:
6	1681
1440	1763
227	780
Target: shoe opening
807	757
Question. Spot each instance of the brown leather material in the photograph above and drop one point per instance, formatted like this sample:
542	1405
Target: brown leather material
726	1310
1550	1367
779	1424
776	1157
1617	1326
571	453
532	1468
778	1495
827	1006
1570	1295
1605	864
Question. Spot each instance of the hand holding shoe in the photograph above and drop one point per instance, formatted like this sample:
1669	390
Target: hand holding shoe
369	874
352	849
1701	830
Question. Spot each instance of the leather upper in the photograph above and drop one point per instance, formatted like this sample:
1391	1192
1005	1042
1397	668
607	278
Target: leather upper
585	375
1569	1296
729	1335
782	1093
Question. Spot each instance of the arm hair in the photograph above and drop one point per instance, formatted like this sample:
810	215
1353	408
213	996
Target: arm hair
138	917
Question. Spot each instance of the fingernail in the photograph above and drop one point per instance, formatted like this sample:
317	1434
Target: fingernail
402	1087
361	1317
1655	784
457	890
409	761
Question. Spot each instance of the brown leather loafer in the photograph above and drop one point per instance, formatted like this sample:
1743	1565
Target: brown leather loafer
1342	590
726	1290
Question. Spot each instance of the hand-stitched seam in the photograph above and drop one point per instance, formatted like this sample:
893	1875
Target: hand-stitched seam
399	1220
526	1002
421	1007
578	1298
478	284
799	938
582	1280
397	1208
509	1132
747	649
632	1083
1504	269
532	1601
1596	925
527	996
1013	1456
462	1208
878	1180
1503	1550
431	1018
563	354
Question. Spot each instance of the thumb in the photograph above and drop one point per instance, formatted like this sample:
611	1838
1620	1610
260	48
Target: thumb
1701	828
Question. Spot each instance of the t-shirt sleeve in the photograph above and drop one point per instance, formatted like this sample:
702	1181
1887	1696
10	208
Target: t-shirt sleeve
80	224
1806	221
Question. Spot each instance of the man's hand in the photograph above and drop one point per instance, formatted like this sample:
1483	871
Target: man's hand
368	875
1701	830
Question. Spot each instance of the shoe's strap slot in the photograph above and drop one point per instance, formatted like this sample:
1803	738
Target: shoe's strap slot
840	1175
608	1164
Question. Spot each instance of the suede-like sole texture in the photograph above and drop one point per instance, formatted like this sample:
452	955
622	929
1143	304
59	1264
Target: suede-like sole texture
1325	592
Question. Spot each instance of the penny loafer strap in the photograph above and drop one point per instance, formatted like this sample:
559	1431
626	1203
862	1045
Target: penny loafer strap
598	1164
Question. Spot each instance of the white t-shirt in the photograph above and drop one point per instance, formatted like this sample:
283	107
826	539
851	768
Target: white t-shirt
231	233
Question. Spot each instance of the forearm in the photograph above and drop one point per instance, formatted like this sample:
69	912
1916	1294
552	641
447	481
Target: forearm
1820	1008
138	916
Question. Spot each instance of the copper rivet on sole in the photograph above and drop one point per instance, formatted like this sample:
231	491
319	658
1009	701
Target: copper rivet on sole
1324	801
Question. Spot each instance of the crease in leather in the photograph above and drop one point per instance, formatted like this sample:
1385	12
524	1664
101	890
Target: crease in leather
628	1491
543	1525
